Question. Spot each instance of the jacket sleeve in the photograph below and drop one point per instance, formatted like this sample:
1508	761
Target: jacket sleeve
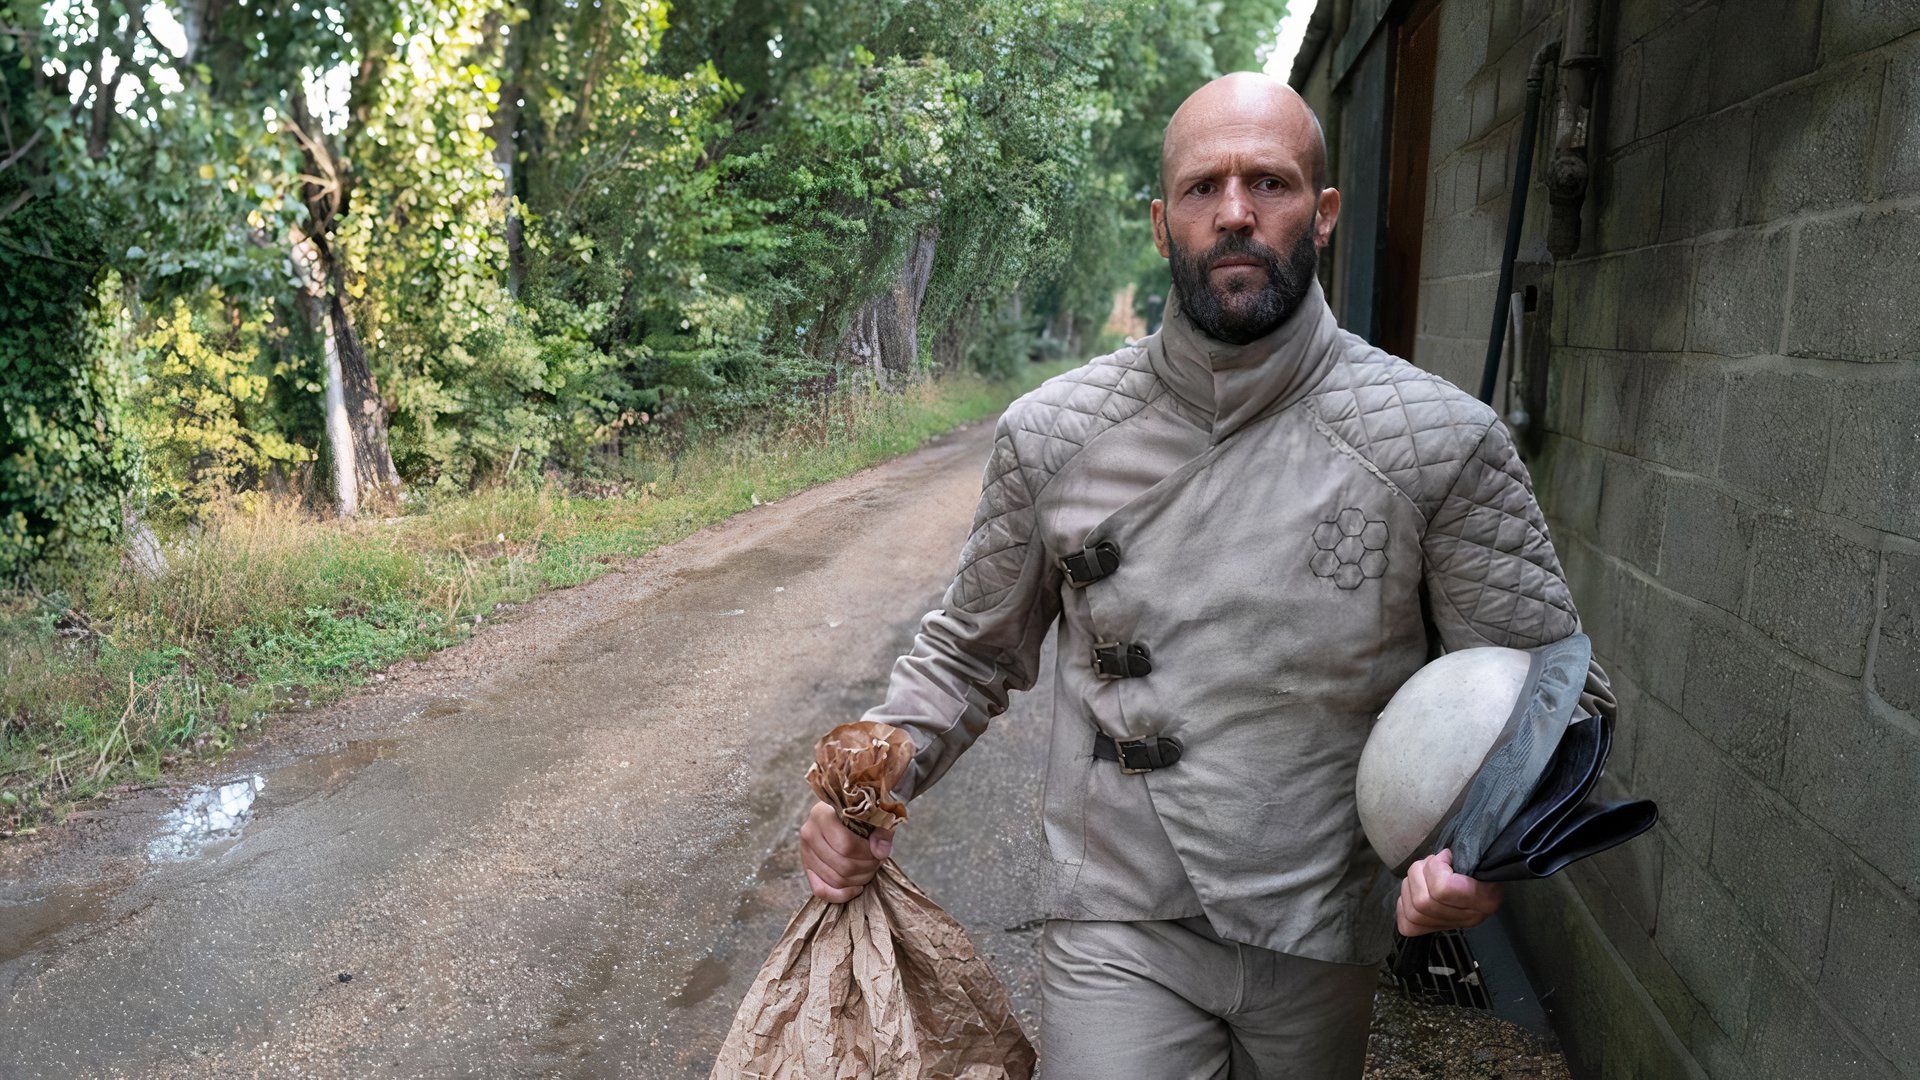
984	640
1491	574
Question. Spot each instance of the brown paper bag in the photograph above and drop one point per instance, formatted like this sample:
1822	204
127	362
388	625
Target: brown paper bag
885	986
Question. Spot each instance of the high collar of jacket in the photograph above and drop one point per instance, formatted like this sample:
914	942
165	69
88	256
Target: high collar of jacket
1231	385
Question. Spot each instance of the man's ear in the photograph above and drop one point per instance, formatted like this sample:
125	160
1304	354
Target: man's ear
1328	213
1158	212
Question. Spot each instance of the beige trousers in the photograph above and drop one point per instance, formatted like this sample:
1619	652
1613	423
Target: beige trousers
1172	1001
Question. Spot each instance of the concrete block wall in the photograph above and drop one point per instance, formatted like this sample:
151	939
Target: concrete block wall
1731	470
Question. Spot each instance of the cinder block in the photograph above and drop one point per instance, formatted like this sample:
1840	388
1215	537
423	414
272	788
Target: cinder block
1637	19
1621	103
1737	693
1896	661
1739	293
1677	768
1708	543
1851	26
1773	441
1655	289
1618	1038
1812	590
1513	84
1566	384
1612	402
1503	27
1627	697
1623	886
1673	72
1872	975
1779	868
1856	773
1705	174
1451	125
1495	170
1811	144
1855	295
1681	401
1593	313
1761	43
1898	169
1569	491
1483	97
1633	505
1703	934
1659	630
1792	1035
1875	477
1600	588
1629	196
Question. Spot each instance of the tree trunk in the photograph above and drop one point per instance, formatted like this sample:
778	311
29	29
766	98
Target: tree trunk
885	335
319	315
362	459
506	148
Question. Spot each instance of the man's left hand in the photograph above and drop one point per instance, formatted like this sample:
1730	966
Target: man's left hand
1433	897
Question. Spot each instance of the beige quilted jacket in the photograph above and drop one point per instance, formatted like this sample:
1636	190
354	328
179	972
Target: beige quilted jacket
1299	524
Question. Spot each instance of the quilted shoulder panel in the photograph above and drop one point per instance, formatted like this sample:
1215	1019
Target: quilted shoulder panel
1036	437
1415	427
1492	571
1052	423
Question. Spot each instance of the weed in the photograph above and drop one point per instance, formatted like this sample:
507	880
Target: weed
269	608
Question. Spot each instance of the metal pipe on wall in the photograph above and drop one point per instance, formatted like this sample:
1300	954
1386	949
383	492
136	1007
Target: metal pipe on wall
1568	172
1516	214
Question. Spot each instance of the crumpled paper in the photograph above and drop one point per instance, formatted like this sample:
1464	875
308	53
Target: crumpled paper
884	986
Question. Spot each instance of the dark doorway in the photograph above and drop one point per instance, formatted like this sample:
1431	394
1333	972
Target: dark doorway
1416	41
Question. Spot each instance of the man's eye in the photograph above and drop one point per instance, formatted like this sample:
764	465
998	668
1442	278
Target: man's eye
1269	183
1202	188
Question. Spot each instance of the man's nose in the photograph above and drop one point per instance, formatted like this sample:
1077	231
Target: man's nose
1236	209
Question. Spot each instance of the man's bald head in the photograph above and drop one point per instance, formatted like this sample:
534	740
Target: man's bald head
1254	103
1245	207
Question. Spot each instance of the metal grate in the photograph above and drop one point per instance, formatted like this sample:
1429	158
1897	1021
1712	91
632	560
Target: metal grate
1438	969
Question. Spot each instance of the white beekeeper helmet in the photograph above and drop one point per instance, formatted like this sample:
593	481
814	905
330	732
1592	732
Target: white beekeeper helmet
1454	756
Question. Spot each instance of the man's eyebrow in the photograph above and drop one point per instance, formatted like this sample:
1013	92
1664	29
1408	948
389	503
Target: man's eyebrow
1265	166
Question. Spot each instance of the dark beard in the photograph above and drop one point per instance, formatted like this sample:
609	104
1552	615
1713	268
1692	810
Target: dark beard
1242	313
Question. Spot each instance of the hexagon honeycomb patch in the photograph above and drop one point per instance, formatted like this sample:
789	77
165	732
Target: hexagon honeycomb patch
1349	548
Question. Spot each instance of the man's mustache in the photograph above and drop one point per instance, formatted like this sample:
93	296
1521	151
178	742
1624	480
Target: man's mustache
1234	244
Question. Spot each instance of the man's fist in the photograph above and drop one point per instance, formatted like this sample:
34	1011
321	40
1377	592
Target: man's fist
839	861
1433	897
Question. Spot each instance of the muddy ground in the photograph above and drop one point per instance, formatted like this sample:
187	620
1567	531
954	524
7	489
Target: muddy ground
563	847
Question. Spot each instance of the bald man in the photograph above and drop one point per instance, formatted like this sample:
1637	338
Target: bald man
1248	529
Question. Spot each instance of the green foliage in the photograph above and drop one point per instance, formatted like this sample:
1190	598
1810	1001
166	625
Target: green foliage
201	407
269	610
560	228
62	464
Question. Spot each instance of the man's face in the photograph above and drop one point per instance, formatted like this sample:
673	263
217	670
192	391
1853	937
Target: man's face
1242	222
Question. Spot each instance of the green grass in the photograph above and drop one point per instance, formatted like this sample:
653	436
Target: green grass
273	608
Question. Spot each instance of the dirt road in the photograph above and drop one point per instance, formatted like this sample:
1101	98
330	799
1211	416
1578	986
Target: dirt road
561	848
564	846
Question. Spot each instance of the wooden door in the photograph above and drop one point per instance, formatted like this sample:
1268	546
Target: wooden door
1416	42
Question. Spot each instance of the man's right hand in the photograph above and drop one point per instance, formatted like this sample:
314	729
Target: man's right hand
839	861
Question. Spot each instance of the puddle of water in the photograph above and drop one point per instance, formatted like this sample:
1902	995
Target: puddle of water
324	774
213	815
26	926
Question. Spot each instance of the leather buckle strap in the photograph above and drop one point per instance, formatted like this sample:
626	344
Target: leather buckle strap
1088	565
1121	660
1136	755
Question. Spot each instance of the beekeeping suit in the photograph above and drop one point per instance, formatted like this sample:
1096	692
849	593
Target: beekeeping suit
1247	549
